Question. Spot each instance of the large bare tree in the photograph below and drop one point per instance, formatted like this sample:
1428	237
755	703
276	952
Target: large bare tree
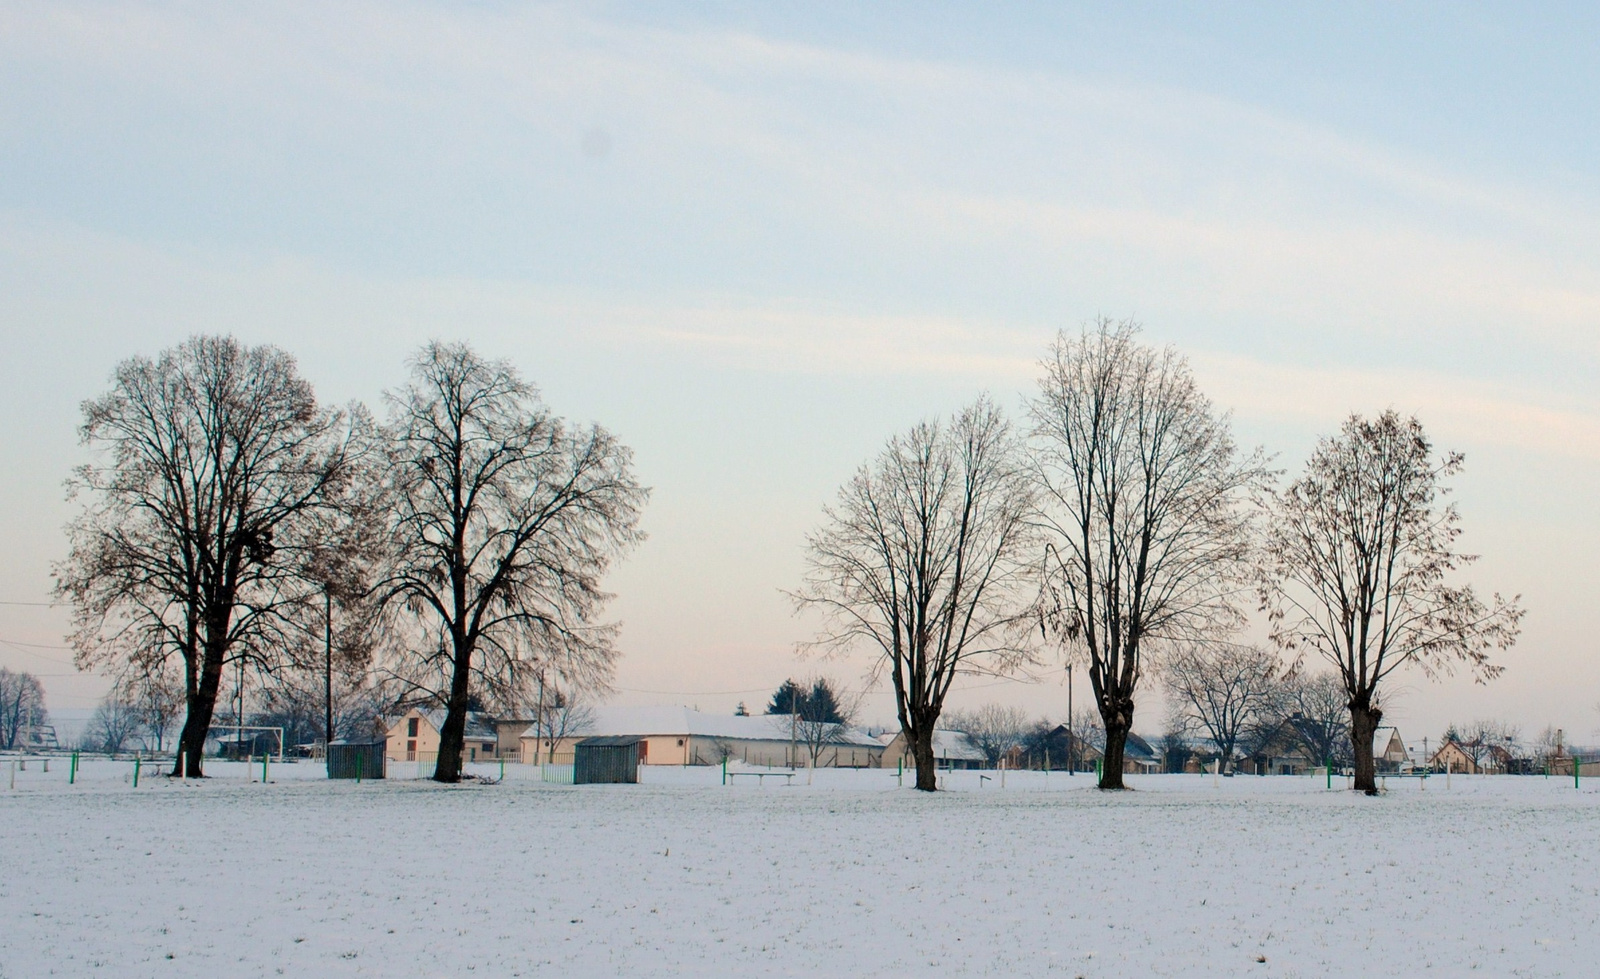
216	473
1359	555
21	708
924	559
505	519
1222	688
1143	494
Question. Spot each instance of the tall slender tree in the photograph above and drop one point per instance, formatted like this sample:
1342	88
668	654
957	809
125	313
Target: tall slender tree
924	559
1143	510
216	473
1360	553
504	520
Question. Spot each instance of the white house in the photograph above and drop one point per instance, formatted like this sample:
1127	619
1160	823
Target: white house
683	736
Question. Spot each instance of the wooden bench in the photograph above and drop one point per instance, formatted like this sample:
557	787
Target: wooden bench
760	777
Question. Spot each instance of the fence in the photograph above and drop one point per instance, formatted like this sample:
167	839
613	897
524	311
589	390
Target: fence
357	760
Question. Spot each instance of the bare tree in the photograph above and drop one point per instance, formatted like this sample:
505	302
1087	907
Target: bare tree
154	699
1358	559
505	519
114	723
1143	510
923	559
1324	714
824	715
216	473
1222	688
994	729
561	715
21	708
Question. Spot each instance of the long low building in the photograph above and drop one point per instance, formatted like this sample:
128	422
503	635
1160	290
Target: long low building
683	736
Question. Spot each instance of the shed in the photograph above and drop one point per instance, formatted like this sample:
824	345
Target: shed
606	759
356	759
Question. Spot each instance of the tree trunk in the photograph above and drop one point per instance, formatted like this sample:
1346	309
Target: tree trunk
1116	742
1363	724
922	752
199	708
451	736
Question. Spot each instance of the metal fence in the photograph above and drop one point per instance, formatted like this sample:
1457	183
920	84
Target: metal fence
356	759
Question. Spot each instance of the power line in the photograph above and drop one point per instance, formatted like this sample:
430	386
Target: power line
35	645
35	604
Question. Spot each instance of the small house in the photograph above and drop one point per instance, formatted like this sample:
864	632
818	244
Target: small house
1389	751
414	736
1452	757
951	750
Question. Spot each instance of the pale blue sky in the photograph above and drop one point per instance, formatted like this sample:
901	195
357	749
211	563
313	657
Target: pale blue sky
756	240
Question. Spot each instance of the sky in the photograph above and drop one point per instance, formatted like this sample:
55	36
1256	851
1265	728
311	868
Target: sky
755	241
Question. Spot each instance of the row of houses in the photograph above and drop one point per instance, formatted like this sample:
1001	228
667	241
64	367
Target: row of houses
684	736
668	736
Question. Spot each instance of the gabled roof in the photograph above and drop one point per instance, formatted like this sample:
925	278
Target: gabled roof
685	721
1136	748
947	745
480	727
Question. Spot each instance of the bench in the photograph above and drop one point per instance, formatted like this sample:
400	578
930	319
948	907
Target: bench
761	777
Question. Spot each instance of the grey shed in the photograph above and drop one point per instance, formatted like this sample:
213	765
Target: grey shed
356	759
606	759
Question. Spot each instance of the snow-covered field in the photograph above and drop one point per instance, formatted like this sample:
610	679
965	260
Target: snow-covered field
1186	876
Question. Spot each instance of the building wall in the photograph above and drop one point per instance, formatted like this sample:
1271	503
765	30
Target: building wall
424	746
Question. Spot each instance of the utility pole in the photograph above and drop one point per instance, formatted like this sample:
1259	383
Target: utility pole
1072	758
327	663
238	731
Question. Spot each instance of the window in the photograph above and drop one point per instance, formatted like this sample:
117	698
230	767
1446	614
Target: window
680	742
411	728
411	750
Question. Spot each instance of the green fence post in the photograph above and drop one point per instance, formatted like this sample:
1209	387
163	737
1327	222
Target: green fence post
1576	765
136	771
72	770
360	764
264	768
1099	769
1329	769
724	769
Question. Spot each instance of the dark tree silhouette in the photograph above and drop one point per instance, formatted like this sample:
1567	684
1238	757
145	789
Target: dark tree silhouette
503	521
216	474
1359	556
1143	497
924	558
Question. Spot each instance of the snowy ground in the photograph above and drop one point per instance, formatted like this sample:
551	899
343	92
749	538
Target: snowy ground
1186	876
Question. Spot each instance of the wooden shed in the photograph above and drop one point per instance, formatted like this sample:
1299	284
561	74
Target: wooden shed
606	759
356	759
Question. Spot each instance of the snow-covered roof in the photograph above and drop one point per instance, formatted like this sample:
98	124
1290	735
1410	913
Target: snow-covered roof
947	745
680	721
480	727
1381	739
956	746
